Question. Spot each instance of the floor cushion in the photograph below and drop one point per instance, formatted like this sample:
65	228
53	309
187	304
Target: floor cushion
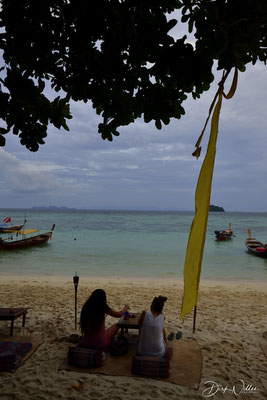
9	361
86	357
11	354
151	366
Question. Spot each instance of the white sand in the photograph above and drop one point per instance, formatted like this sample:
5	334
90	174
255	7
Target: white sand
231	319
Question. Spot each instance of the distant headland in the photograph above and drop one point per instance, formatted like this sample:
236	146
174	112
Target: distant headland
52	208
216	208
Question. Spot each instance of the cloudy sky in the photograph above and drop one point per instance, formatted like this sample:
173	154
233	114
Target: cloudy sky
145	168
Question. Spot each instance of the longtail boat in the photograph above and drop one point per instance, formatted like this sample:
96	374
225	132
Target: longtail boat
226	234
13	228
256	247
26	242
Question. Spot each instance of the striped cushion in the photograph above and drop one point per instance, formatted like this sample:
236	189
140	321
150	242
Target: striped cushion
9	361
85	357
20	348
151	366
11	354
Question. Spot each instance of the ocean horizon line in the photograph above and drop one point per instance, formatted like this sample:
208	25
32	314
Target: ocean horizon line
117	209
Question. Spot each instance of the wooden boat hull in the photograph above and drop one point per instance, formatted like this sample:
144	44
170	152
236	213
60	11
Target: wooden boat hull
11	229
257	248
27	242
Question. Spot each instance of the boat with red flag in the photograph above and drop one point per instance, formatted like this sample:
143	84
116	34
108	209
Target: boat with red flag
4	228
36	240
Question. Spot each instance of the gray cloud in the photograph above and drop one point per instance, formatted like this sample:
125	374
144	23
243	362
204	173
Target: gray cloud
144	167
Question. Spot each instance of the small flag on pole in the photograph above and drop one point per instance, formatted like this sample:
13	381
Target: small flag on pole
6	220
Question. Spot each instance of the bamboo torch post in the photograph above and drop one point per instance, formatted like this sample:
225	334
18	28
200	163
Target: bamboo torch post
76	282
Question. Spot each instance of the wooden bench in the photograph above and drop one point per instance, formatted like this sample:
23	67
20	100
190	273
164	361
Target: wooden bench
10	314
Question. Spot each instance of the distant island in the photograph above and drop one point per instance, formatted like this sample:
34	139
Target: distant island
216	208
52	208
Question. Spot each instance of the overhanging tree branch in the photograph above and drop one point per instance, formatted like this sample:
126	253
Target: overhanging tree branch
120	55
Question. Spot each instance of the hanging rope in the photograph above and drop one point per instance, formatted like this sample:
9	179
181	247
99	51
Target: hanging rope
230	94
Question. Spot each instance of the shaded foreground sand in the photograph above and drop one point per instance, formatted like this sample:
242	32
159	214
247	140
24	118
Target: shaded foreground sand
230	322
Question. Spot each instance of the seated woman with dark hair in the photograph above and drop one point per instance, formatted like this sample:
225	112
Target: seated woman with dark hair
152	336
92	321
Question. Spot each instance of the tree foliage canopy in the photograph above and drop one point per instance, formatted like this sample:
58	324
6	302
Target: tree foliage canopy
120	55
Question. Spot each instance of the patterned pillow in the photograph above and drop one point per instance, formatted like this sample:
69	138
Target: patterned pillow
11	354
20	348
9	361
85	357
157	367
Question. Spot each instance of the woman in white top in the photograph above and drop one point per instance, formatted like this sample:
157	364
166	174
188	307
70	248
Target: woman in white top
152	336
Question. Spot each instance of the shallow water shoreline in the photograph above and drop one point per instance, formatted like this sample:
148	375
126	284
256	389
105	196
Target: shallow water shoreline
135	245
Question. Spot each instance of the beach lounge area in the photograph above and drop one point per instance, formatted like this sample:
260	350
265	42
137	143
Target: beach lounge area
231	319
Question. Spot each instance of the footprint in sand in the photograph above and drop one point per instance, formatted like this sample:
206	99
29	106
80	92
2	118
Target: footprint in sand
207	348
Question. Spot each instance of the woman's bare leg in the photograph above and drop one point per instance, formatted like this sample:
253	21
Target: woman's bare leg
112	331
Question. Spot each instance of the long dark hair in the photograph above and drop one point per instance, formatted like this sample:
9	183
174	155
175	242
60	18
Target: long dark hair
93	312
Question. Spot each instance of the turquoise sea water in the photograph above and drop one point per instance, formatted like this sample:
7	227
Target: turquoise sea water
133	244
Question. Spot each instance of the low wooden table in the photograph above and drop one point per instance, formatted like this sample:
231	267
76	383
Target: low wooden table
10	314
131	323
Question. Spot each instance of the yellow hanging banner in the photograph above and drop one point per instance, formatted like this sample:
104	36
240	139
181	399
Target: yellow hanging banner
196	241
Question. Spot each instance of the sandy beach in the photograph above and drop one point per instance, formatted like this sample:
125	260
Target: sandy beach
231	319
